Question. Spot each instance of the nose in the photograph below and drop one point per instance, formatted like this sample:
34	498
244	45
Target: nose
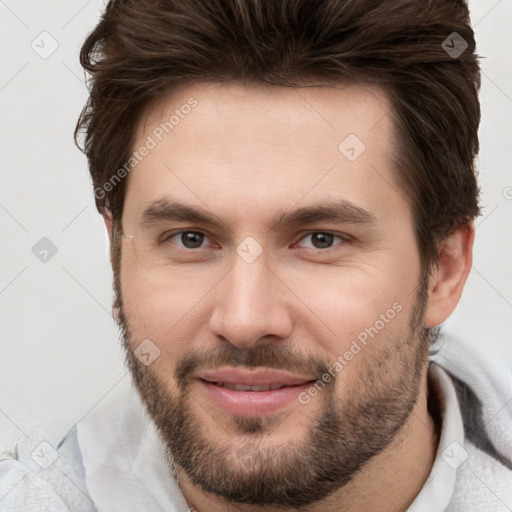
251	303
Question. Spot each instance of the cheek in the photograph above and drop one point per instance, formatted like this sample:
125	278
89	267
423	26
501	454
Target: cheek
163	304
346	294
349	302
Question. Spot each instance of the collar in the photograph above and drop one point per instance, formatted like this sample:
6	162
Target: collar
439	487
124	459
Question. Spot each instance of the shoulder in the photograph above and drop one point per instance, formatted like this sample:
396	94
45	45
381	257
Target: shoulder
482	484
35	475
483	386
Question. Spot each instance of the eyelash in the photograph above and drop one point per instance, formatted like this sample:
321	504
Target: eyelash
345	239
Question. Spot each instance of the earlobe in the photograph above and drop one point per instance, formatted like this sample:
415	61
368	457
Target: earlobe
448	280
107	217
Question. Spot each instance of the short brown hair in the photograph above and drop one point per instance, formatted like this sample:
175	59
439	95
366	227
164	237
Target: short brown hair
143	49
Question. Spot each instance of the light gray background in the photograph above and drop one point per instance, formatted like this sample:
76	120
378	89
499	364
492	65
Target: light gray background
60	353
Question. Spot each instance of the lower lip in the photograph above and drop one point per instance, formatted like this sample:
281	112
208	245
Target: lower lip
251	403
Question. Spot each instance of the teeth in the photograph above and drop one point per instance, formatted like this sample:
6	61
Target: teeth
240	387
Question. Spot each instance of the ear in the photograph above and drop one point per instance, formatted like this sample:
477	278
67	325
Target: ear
448	279
107	217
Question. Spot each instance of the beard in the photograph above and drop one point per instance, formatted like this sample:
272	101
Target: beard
345	434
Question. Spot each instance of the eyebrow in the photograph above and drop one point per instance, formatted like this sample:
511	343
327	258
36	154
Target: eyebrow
339	212
170	210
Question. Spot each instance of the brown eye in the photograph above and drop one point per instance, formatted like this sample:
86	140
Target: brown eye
321	240
188	239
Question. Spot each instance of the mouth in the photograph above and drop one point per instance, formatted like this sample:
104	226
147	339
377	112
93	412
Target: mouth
253	393
263	377
243	387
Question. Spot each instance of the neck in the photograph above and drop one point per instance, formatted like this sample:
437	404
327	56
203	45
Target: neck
389	482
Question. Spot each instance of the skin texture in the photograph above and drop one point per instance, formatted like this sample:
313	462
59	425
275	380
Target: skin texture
246	154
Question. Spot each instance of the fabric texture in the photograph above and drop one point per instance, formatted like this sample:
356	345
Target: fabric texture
114	461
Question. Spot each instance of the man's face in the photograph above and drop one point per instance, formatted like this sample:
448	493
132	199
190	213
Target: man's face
316	298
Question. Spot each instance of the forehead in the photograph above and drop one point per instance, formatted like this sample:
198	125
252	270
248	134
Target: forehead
258	113
261	146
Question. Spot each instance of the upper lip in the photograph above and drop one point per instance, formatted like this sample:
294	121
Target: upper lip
256	377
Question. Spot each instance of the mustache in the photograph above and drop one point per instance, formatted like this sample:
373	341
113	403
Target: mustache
276	357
